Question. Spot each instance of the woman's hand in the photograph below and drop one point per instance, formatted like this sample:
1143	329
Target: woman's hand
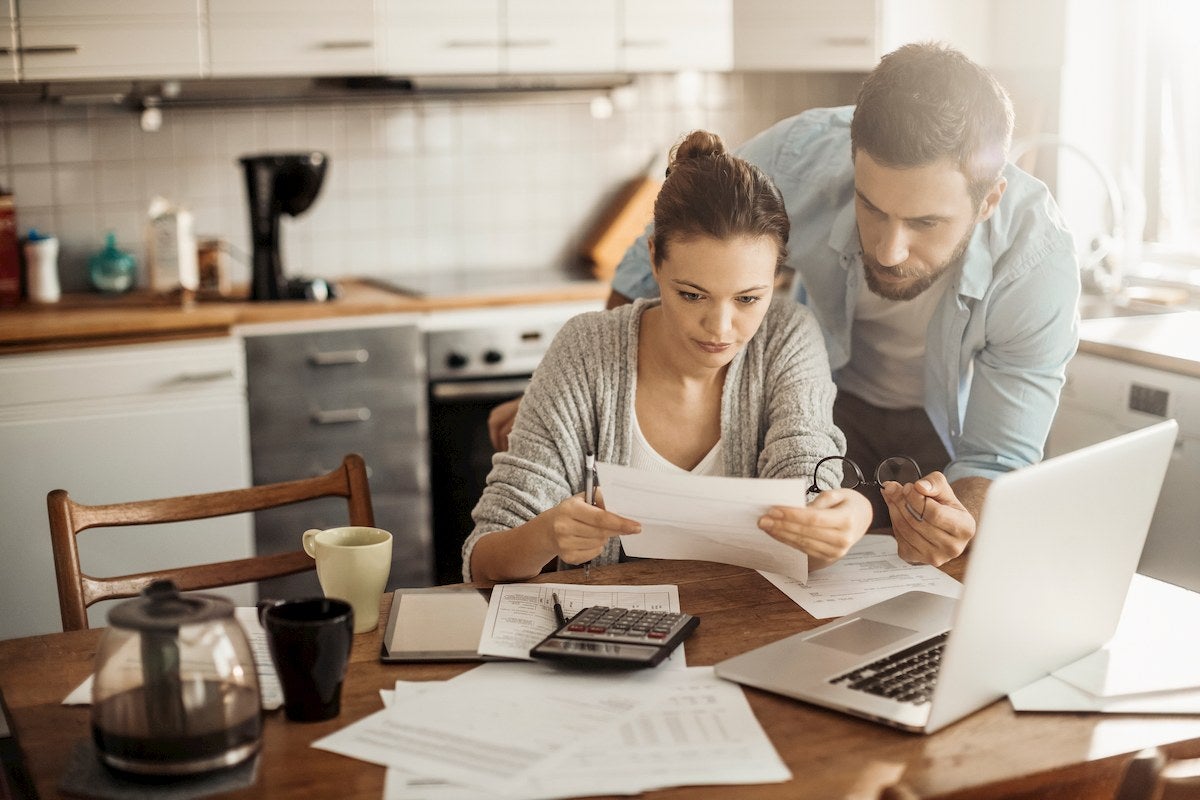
577	532
825	529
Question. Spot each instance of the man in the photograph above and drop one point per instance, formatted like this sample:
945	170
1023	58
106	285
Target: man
944	280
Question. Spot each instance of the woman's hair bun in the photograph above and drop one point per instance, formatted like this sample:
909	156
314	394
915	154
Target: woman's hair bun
696	144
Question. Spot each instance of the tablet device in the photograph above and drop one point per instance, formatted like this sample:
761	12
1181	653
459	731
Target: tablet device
435	624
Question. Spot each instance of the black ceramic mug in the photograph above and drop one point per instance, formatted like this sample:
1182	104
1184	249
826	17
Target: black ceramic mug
310	644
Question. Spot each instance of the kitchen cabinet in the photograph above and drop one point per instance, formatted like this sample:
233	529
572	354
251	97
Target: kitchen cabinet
8	40
851	35
306	37
110	424
486	37
670	35
319	393
1132	372
83	39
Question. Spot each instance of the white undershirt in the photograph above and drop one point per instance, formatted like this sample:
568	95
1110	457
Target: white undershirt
887	348
643	456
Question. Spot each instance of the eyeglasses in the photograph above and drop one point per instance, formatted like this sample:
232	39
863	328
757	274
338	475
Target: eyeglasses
900	469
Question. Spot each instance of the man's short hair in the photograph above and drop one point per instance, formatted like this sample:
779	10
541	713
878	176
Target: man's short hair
924	102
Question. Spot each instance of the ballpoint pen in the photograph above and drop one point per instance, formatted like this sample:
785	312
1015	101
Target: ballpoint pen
589	494
558	612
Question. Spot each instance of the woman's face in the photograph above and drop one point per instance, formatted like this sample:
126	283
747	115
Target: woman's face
714	295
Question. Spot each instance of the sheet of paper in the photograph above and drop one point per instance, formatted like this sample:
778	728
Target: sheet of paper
703	517
1155	648
1052	694
522	614
495	726
701	731
870	573
270	691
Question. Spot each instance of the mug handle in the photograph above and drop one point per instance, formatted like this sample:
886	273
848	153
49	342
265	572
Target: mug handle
263	607
308	539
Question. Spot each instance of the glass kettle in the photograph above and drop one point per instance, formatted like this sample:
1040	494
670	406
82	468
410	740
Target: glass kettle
176	691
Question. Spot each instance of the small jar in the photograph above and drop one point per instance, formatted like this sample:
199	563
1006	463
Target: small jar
112	269
41	267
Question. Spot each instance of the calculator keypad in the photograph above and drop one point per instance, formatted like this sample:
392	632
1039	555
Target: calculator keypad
623	625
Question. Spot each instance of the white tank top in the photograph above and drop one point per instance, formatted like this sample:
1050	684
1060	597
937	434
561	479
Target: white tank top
643	456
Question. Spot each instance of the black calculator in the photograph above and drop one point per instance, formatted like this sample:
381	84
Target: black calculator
617	637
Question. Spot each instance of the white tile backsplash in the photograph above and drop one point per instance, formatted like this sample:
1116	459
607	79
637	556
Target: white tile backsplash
415	184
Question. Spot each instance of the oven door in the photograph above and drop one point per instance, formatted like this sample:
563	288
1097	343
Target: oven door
460	457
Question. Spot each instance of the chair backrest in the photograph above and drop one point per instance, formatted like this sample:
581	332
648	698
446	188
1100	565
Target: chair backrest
1153	775
77	591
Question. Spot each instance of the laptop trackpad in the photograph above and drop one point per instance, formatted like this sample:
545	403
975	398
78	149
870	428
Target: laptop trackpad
861	636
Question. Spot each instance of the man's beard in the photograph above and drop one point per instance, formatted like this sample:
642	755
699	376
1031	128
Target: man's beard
911	290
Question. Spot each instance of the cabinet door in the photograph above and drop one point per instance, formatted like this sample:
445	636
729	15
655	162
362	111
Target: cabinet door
560	36
296	37
68	39
805	35
8	41
450	37
670	35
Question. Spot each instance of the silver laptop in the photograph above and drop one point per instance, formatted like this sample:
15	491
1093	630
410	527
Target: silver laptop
1053	556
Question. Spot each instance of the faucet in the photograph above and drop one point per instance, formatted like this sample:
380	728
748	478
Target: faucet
1101	264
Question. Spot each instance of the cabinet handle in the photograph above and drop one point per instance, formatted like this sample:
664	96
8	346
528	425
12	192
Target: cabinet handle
338	416
528	43
349	44
205	377
847	41
335	357
470	43
49	49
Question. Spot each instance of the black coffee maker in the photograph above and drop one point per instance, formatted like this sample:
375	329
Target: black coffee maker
277	183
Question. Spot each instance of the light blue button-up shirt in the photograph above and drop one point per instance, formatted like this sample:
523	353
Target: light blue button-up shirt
997	343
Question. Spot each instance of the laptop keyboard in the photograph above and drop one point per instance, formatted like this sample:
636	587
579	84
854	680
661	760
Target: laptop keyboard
907	676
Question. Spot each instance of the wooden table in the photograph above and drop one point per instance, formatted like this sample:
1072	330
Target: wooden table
993	753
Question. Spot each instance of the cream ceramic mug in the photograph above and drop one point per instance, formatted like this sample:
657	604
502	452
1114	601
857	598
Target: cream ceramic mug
353	564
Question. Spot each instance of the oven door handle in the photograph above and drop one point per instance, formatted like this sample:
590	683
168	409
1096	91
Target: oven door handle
478	390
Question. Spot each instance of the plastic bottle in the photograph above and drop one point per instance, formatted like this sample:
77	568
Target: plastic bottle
112	269
41	267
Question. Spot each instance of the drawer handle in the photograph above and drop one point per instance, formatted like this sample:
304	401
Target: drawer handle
205	377
347	44
470	43
339	416
847	41
49	49
335	357
515	43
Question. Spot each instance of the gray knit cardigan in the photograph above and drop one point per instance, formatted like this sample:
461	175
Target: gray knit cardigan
776	413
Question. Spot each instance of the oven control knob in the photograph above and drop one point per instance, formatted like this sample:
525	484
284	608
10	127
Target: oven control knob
455	360
493	356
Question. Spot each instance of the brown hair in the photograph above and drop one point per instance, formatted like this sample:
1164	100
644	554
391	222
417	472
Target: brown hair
926	101
711	192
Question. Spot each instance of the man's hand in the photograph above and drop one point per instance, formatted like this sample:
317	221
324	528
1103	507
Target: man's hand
825	529
500	422
931	524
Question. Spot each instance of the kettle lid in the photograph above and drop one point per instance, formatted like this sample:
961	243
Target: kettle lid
160	607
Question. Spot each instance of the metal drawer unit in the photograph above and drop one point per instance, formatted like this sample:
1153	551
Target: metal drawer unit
317	395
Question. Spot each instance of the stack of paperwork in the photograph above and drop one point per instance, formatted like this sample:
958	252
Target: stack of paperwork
1150	666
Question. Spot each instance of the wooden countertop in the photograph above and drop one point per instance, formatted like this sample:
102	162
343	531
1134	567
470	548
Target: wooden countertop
1169	342
89	320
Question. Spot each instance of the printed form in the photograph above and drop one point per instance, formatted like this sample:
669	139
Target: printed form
704	518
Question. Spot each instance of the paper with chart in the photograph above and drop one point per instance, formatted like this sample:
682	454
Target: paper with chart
703	517
522	614
870	573
701	730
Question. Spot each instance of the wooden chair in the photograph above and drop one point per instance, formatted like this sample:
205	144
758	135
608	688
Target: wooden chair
1153	775
77	591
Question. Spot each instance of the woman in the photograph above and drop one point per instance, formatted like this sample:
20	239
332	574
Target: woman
713	378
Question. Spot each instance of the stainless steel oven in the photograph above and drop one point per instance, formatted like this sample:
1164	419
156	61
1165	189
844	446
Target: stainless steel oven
473	366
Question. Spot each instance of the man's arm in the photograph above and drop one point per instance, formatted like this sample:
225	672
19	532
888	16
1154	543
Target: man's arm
933	520
616	299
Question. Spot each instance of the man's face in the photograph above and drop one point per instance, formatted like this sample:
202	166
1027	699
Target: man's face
914	224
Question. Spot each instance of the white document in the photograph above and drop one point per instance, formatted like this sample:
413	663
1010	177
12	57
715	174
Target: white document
870	573
1156	646
701	731
522	614
703	517
269	688
497	725
1052	694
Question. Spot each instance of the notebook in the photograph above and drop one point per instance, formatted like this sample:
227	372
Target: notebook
1052	559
